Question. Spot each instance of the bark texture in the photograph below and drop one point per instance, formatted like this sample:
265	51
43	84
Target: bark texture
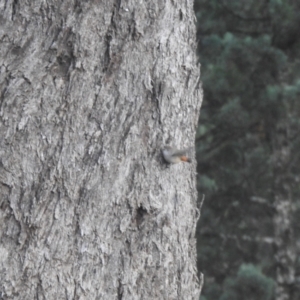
90	93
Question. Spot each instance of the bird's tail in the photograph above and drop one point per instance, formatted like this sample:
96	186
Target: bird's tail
185	159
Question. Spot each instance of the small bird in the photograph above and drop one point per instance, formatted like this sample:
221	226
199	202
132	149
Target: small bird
174	156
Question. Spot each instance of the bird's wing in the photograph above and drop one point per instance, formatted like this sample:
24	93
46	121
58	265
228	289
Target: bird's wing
180	152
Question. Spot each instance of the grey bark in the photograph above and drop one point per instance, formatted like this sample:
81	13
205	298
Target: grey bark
90	93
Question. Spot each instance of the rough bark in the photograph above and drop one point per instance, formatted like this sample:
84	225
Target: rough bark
90	93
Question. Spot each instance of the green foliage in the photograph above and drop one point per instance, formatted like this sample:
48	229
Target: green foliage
250	66
213	292
209	183
249	284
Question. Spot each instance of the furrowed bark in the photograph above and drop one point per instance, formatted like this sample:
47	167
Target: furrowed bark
90	93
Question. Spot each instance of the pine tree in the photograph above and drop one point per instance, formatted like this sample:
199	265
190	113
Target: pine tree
248	141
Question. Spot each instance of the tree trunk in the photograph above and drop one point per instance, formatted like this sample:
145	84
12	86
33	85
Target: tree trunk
90	93
285	241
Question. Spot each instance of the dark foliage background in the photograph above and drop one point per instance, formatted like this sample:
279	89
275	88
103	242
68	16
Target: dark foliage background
248	148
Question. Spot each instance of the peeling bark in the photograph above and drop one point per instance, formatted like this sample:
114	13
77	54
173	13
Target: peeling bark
90	93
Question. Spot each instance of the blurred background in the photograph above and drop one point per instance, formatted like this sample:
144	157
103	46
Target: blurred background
248	149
